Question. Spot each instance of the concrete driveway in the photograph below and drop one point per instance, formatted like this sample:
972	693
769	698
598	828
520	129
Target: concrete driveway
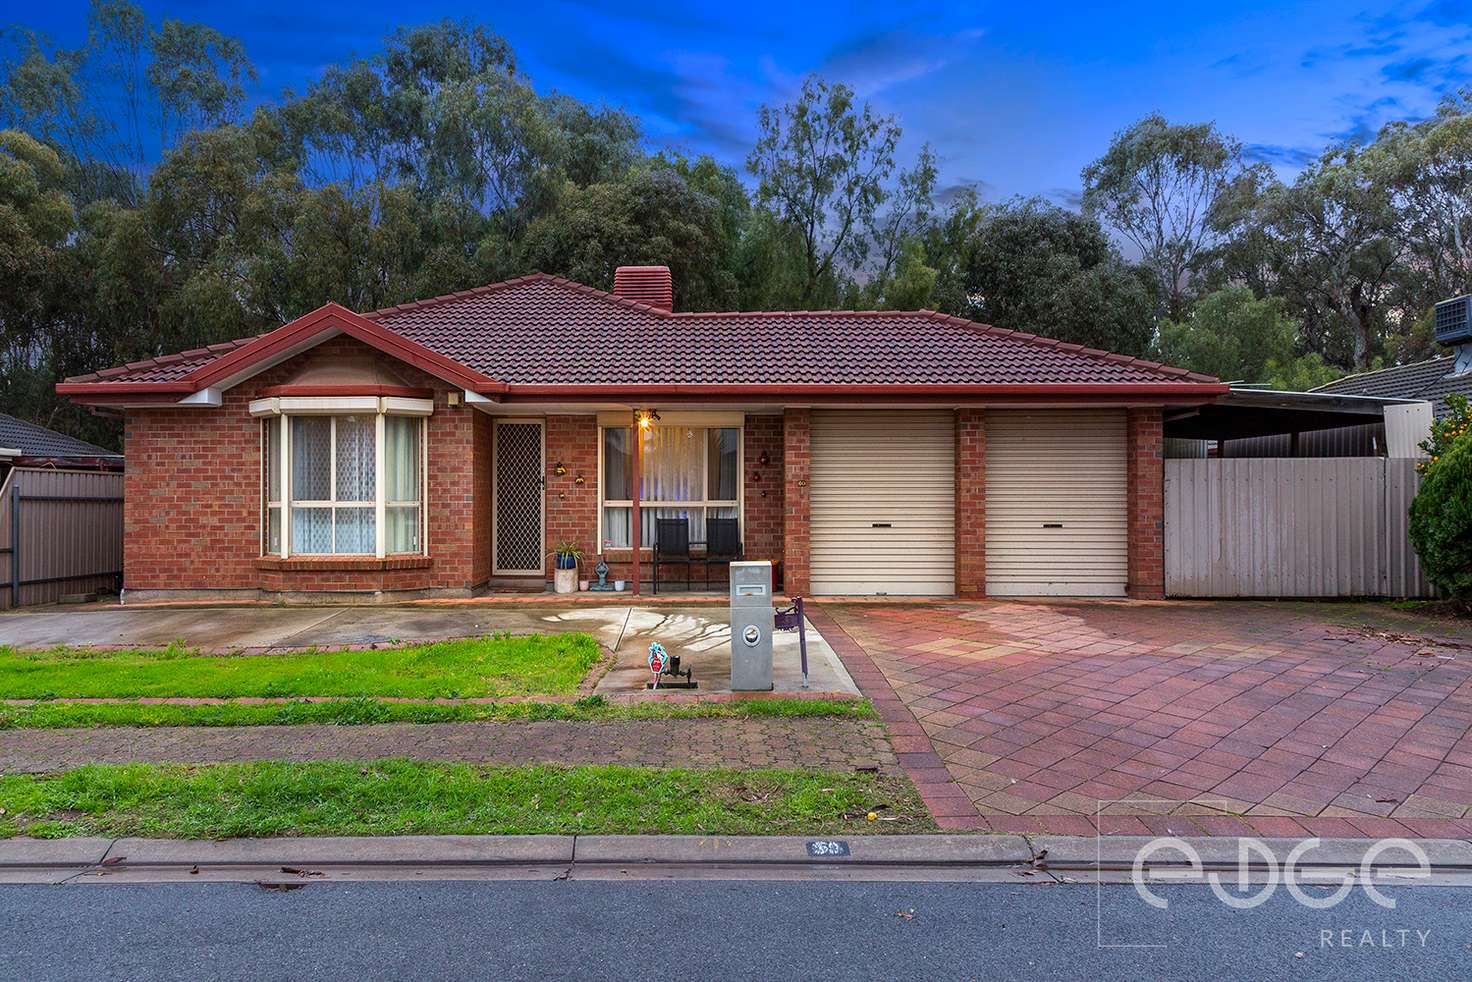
1334	719
700	634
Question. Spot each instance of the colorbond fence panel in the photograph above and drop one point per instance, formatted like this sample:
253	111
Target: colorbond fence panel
1290	527
60	532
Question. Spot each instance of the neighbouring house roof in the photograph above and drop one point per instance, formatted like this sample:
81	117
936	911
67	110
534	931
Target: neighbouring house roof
542	336
39	442
1426	380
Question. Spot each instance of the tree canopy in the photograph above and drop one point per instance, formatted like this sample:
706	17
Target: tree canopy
146	206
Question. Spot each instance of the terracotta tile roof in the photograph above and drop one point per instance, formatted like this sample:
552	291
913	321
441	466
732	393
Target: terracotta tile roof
164	368
545	330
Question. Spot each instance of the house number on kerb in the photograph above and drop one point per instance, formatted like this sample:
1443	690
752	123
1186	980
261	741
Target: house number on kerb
827	848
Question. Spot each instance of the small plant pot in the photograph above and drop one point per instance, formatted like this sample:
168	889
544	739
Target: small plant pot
583	586
566	581
618	584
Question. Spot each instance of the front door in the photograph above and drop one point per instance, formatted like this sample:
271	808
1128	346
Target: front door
519	496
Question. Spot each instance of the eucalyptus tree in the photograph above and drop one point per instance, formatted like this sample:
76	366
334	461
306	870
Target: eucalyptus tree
822	163
1162	186
1336	250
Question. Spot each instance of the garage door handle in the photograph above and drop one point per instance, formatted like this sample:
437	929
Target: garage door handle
1052	525
880	525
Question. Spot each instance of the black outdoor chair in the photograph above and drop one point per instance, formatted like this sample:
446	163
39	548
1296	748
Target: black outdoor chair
722	544
672	546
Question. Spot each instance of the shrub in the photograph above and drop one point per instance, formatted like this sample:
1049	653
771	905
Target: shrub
1445	431
1441	519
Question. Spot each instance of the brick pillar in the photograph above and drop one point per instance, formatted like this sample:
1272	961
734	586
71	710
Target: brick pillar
797	469
970	503
1146	504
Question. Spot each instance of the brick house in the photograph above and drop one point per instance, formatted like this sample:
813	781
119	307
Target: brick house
444	447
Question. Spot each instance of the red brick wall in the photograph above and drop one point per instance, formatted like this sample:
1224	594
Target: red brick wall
192	514
1146	505
572	508
970	503
797	468
763	488
191	498
482	433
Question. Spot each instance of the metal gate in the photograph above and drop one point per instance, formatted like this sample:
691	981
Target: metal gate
61	532
1291	527
519	519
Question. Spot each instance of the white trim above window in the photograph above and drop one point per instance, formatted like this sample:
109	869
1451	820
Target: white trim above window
340	406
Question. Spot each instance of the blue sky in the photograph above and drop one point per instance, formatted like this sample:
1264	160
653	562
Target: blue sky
1016	98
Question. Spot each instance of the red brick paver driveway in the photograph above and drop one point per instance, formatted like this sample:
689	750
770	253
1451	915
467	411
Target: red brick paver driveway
1209	717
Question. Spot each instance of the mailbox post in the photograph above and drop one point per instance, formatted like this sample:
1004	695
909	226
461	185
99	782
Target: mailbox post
751	626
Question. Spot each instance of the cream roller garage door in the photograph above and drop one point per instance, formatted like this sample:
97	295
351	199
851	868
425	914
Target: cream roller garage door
883	498
1056	521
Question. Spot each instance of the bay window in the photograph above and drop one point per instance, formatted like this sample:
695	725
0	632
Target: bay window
689	472
342	483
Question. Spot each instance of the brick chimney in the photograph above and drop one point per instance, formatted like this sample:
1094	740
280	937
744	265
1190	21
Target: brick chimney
651	285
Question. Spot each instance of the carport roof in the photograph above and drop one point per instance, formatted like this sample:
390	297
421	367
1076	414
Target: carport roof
540	335
1248	411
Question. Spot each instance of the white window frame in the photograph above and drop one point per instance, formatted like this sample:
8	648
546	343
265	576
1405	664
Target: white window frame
700	421
280	411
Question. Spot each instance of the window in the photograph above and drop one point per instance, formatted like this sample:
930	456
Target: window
327	492
690	472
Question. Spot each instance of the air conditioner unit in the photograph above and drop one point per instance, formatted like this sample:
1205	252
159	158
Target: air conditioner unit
1454	321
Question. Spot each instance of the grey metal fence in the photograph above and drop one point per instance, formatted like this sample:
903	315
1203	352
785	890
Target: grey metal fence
61	531
1291	527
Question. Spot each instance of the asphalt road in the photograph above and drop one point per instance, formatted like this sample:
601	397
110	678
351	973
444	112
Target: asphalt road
722	929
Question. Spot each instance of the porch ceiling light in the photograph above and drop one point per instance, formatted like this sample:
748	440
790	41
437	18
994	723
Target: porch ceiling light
647	418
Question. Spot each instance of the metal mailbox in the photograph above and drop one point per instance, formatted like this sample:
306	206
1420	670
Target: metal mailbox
752	622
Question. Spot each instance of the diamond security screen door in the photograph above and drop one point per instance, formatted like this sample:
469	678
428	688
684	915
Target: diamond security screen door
518	463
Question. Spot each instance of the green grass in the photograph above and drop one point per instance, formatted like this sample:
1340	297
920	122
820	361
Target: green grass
59	715
399	797
496	666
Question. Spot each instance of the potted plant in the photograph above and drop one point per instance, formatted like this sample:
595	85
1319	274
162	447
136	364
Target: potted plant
566	557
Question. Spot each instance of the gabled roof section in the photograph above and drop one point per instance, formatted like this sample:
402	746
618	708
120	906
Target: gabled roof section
231	363
543	336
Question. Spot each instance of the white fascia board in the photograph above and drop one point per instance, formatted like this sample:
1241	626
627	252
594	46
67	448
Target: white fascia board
211	397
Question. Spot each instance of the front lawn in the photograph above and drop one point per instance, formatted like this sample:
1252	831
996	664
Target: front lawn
396	797
351	712
496	666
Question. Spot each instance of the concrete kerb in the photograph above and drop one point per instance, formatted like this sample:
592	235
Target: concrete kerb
906	850
1053	853
408	850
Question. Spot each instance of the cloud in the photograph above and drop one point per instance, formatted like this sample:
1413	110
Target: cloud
1326	54
880	60
1279	155
951	193
1070	198
1409	70
1241	64
1436	74
1447	13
